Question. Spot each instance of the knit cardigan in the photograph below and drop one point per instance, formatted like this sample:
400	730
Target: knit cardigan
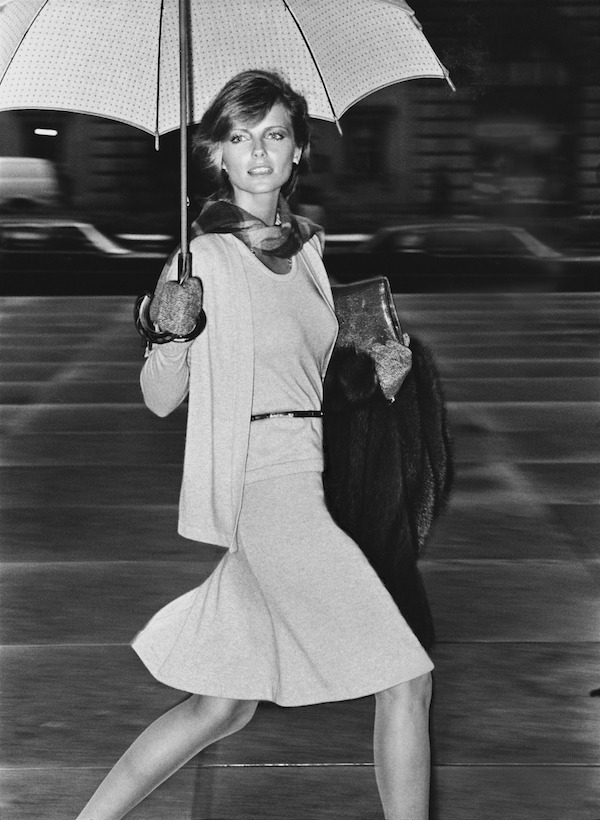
216	373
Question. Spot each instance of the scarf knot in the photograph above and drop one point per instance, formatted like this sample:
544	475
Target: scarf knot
273	245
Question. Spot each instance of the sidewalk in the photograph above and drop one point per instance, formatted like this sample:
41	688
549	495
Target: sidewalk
89	482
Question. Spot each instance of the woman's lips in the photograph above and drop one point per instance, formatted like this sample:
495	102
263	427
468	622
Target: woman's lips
259	170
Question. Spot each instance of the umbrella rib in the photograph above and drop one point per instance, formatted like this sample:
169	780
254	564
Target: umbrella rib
160	28
316	64
25	33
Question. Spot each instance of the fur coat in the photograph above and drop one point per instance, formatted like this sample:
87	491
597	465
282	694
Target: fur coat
388	470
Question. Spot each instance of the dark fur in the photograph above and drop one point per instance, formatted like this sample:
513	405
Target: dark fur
388	470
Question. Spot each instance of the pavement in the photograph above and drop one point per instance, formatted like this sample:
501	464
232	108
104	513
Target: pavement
88	492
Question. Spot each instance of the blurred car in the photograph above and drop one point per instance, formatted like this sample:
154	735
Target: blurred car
581	237
150	242
342	242
60	256
339	248
27	183
579	245
454	254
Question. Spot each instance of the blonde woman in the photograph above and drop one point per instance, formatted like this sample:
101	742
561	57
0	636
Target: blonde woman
293	613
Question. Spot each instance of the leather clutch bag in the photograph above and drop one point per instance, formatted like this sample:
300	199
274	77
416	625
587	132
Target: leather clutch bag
366	313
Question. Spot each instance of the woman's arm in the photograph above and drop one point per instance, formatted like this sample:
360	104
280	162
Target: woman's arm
165	377
165	374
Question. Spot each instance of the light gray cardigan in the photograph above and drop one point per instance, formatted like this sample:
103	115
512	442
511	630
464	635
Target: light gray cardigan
217	371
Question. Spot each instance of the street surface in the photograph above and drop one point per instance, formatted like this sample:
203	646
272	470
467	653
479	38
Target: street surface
89	551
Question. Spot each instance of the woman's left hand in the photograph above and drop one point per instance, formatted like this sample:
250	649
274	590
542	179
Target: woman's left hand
393	361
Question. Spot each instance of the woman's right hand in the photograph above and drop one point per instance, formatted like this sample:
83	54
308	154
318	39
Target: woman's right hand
176	307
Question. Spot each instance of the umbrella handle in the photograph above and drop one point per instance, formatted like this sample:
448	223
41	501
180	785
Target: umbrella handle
141	312
184	266
145	326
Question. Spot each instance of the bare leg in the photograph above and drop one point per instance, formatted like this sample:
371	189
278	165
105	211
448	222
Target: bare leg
168	743
401	749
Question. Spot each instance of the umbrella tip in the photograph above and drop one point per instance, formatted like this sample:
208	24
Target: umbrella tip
157	142
447	77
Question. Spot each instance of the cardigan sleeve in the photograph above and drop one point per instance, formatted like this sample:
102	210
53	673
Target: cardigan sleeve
165	376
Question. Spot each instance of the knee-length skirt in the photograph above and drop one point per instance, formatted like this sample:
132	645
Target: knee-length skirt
296	616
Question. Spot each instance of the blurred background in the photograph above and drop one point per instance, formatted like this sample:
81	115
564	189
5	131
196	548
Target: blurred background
517	147
483	208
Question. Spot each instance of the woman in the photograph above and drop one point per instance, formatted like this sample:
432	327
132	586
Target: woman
293	613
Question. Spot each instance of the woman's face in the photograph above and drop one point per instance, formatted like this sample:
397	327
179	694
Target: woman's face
258	158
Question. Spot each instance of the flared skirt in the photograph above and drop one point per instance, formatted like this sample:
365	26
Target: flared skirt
296	615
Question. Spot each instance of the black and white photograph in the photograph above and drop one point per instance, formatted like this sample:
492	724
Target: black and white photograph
299	409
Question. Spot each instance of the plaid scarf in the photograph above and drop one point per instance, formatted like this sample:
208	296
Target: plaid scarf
273	245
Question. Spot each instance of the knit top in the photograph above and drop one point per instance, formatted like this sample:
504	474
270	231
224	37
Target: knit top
293	333
216	371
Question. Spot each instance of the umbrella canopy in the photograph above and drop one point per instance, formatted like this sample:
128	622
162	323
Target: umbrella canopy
157	64
120	58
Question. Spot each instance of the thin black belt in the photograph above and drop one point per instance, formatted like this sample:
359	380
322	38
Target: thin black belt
296	414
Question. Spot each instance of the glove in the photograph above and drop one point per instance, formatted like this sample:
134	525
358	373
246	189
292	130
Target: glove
176	307
393	361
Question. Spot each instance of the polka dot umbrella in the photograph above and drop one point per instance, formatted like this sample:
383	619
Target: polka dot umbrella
123	59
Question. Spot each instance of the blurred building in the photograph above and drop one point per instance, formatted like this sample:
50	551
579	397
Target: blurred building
520	139
108	171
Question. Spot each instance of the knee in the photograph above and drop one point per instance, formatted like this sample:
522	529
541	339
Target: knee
231	715
412	695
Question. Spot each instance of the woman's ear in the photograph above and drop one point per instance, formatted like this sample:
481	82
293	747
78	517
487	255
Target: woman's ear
297	156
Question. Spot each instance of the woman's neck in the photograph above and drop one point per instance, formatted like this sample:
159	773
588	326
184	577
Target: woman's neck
264	207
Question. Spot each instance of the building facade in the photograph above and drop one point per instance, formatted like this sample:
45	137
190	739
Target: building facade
519	139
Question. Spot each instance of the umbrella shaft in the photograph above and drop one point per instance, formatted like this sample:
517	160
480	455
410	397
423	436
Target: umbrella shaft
183	119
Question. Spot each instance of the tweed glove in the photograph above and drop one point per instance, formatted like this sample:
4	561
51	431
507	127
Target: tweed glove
176	307
393	361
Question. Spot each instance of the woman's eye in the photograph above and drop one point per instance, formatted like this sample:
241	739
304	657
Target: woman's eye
276	135
236	137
